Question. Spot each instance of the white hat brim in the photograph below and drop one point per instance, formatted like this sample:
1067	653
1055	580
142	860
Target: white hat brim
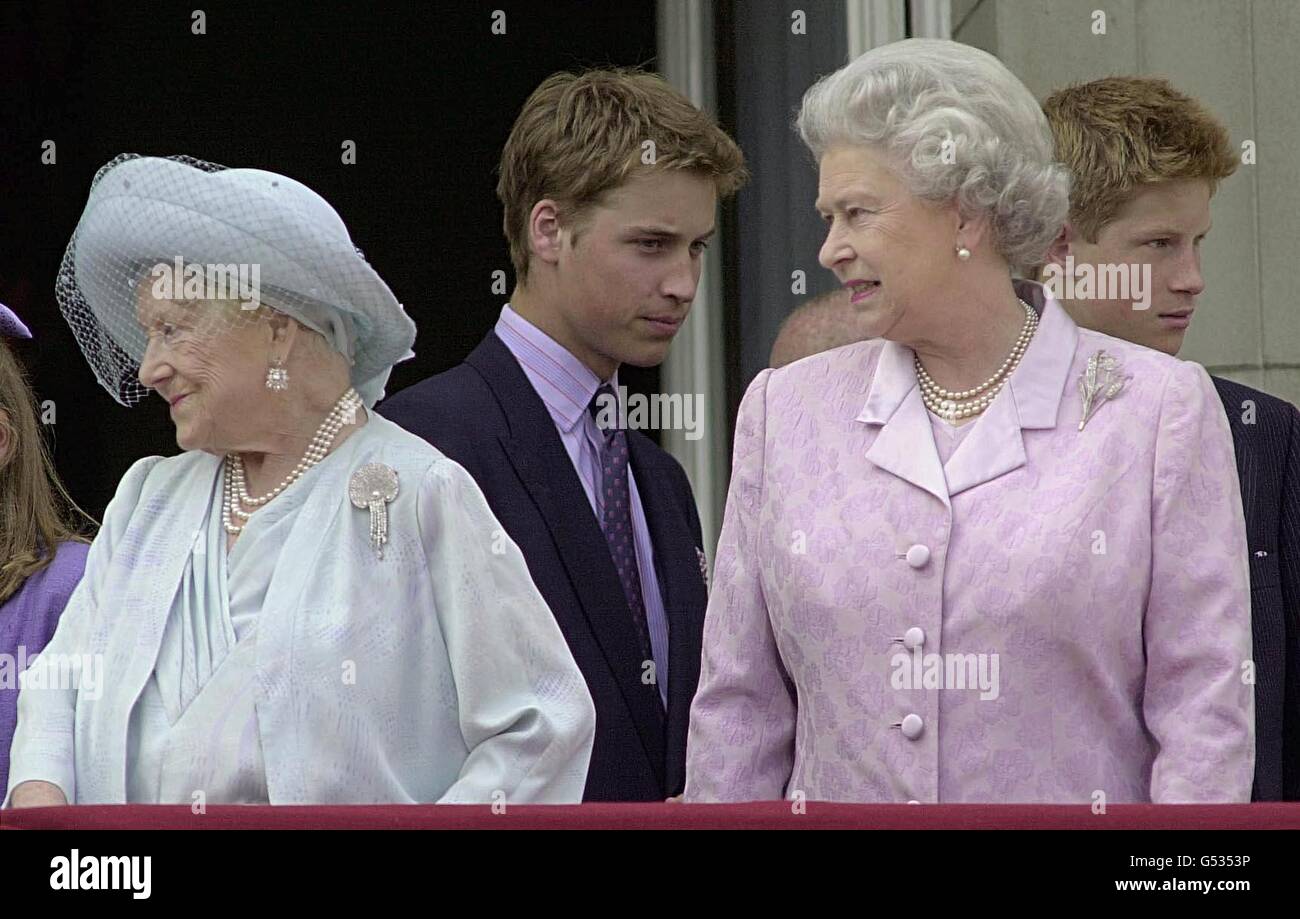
150	209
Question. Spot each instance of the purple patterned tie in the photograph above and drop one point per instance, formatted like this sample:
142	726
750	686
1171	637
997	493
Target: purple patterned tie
617	522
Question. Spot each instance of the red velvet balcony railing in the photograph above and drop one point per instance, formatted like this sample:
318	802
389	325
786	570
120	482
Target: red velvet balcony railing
763	815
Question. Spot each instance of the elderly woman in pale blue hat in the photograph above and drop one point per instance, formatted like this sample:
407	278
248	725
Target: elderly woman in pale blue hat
308	605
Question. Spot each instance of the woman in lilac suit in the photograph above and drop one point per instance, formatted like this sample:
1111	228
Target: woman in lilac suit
35	512
986	555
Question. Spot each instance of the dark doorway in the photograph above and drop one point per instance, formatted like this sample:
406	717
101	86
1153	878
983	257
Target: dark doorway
426	91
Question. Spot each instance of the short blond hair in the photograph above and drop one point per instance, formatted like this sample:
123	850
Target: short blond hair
1119	133
580	136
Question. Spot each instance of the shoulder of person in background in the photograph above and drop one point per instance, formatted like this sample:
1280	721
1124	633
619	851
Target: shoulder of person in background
824	322
1249	406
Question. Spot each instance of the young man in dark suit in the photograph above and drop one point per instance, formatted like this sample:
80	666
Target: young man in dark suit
1145	161
610	181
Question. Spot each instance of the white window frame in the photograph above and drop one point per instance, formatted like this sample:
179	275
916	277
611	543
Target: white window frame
695	362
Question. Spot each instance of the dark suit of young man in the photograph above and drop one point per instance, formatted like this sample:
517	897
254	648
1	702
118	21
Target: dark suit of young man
1266	433
486	415
609	182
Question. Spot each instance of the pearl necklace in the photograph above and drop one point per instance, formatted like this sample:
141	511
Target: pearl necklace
235	495
956	404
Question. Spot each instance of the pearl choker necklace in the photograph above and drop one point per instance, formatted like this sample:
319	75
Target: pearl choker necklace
956	404
236	497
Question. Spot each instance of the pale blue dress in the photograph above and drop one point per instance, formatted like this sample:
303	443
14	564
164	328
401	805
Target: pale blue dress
306	668
193	735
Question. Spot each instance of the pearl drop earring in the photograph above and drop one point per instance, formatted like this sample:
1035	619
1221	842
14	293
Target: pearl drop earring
963	253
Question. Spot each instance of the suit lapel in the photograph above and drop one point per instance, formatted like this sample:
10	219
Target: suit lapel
991	449
682	587
288	774
1030	400
1245	459
152	565
173	535
535	450
905	444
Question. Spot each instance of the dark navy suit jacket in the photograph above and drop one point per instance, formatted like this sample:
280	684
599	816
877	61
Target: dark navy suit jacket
485	415
1266	434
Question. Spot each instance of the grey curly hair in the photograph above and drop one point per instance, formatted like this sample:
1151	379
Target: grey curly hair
959	127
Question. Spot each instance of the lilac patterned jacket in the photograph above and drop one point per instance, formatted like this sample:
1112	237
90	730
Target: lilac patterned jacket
1057	615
